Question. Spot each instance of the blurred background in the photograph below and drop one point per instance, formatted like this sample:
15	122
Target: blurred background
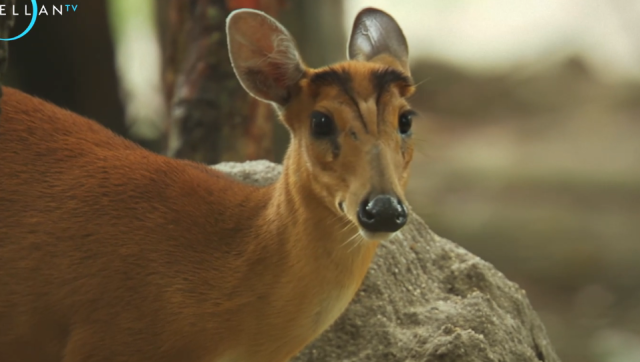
528	144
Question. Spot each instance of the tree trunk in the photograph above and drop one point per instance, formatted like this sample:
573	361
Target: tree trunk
6	22
425	299
211	117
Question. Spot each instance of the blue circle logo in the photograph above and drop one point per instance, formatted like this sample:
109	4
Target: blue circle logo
33	21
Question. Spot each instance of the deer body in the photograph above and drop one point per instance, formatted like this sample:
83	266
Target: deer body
112	253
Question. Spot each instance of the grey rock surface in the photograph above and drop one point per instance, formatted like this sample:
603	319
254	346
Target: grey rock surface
425	299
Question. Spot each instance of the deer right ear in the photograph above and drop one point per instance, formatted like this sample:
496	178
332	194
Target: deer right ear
376	33
264	56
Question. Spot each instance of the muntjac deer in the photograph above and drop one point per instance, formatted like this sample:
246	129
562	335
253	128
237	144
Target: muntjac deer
110	253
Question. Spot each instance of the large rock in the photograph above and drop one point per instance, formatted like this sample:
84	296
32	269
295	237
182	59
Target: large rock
425	299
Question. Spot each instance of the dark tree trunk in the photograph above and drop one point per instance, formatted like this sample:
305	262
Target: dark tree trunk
211	117
6	22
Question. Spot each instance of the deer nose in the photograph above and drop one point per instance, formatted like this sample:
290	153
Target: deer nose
384	213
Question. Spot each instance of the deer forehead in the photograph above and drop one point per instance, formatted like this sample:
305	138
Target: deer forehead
361	86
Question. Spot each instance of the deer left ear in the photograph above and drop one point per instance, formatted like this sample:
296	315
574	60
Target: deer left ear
377	37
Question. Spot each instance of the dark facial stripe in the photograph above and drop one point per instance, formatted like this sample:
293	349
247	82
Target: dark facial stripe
383	78
341	79
331	76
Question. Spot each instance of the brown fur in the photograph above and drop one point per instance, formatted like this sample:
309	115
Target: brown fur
111	253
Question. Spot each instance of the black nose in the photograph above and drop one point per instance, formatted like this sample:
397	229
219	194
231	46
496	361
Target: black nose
385	213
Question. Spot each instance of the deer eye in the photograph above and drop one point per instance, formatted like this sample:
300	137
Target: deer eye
322	125
405	121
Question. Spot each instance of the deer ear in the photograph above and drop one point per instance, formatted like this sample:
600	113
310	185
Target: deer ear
263	55
376	34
